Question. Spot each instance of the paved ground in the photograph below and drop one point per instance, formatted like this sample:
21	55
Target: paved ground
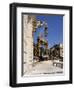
44	67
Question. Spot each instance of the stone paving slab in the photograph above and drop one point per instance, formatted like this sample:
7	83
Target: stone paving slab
44	67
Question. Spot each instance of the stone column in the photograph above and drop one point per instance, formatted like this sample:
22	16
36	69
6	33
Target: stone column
27	43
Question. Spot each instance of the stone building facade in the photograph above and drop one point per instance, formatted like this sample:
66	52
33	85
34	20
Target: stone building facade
56	52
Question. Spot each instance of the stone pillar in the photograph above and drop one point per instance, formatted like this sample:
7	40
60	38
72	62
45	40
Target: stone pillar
27	43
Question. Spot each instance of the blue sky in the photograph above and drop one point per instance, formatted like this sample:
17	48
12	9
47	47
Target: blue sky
55	29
